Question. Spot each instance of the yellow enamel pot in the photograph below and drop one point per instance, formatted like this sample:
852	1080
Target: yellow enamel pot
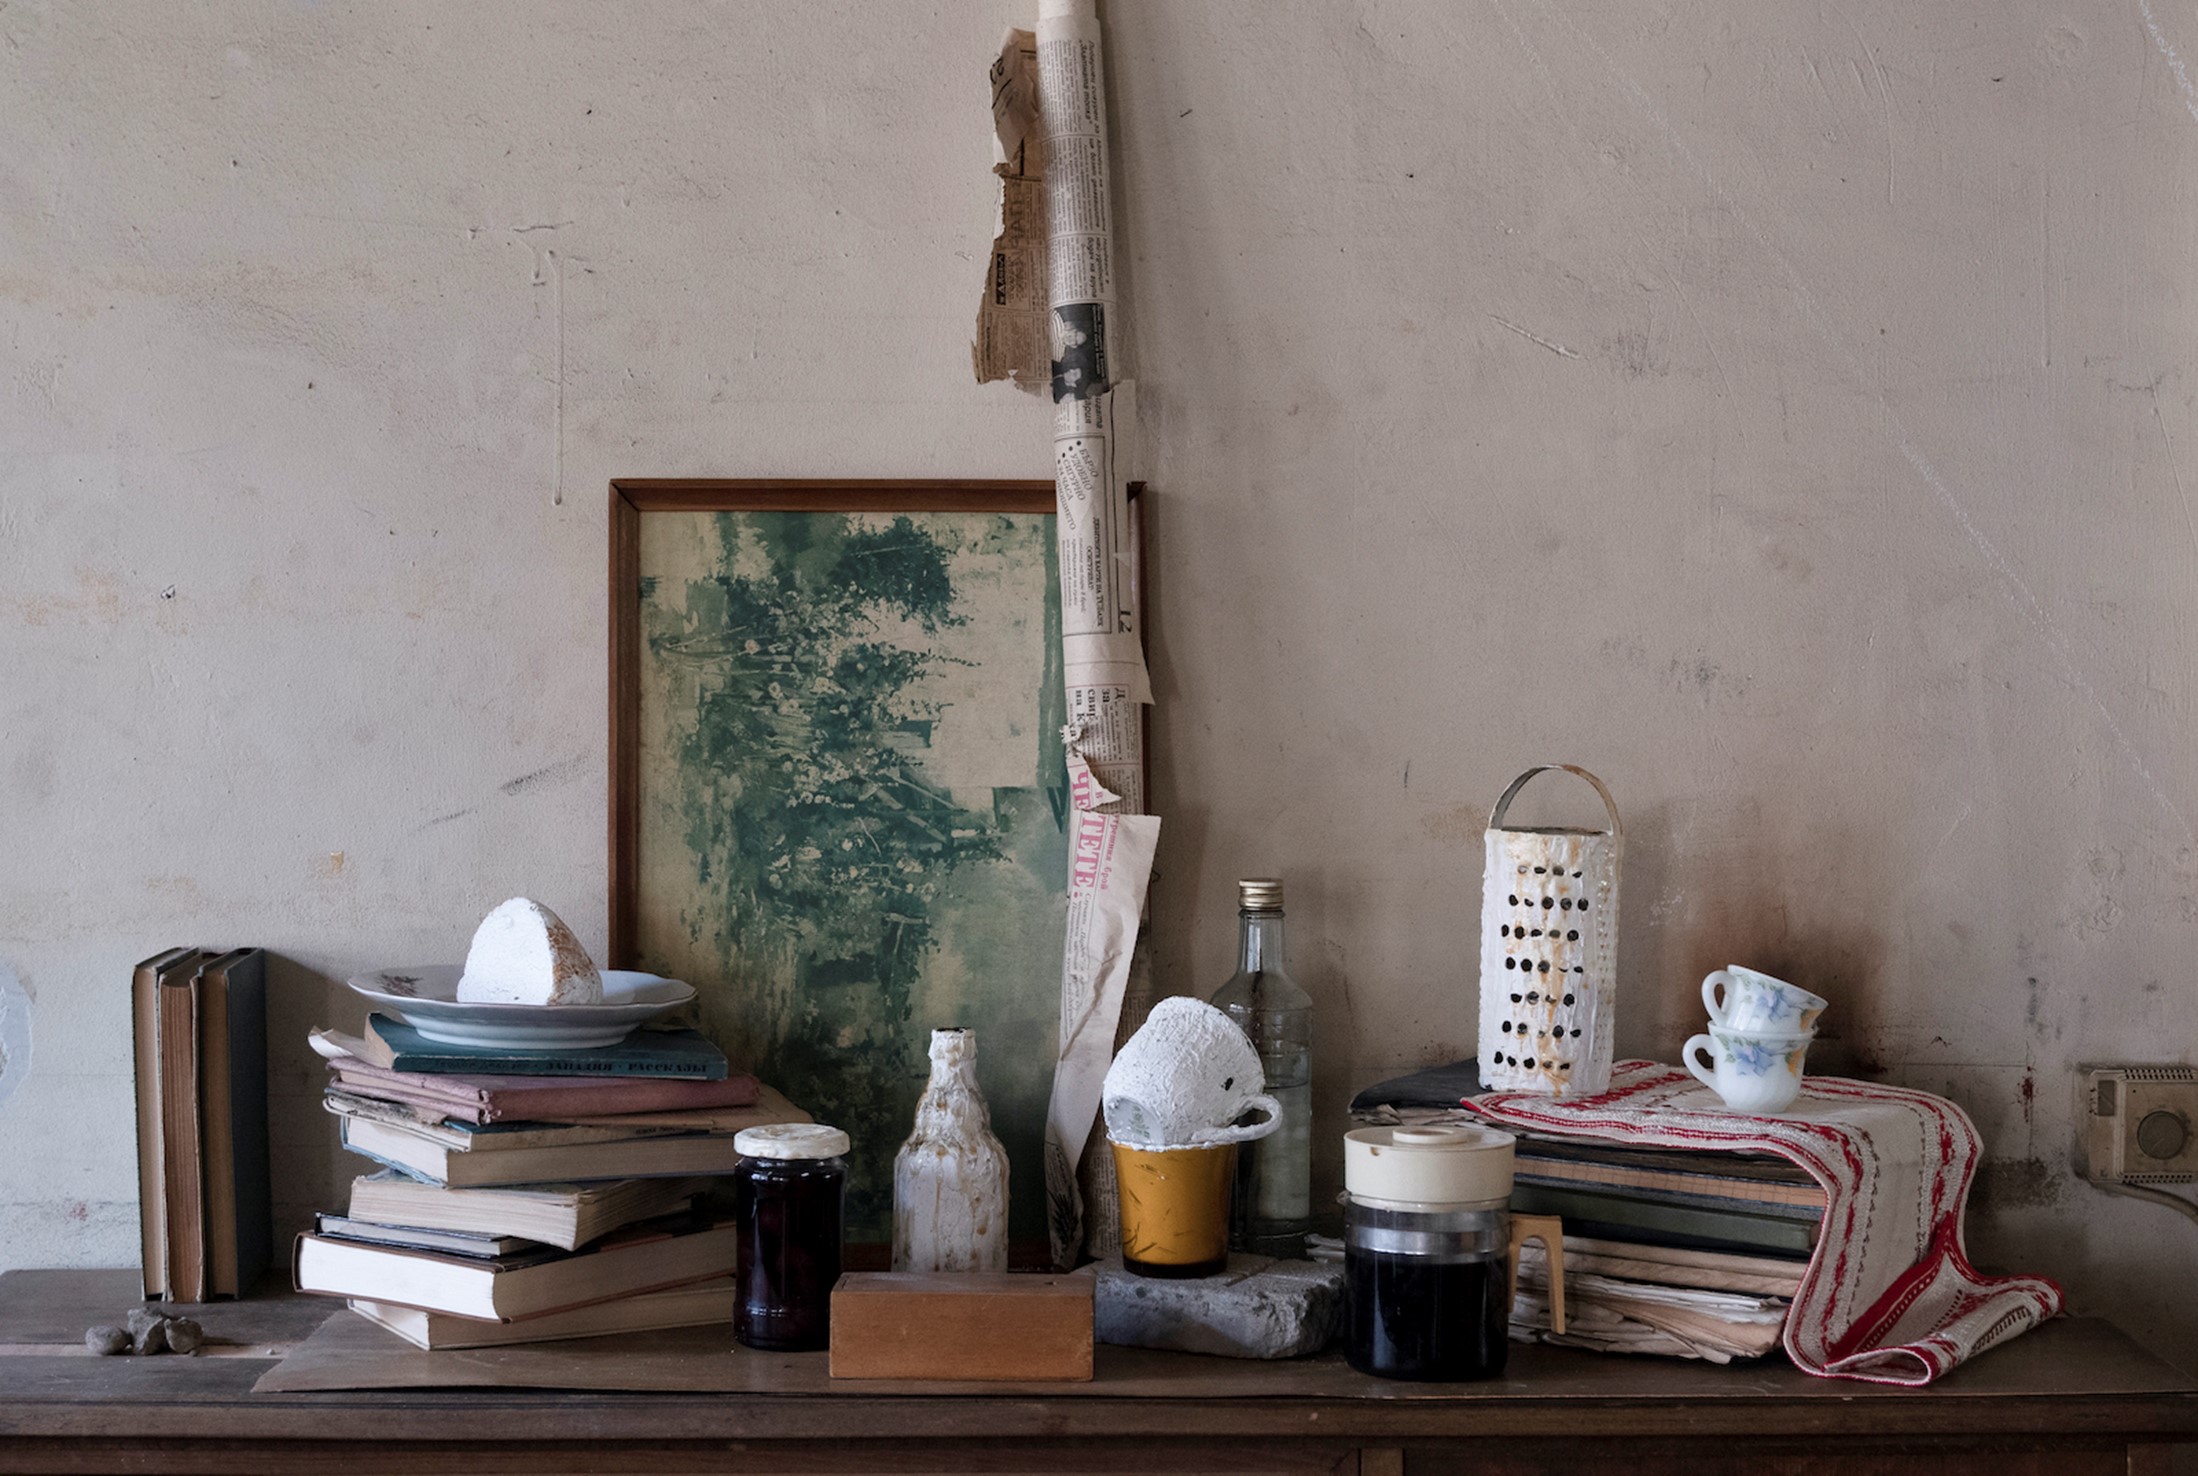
1175	1208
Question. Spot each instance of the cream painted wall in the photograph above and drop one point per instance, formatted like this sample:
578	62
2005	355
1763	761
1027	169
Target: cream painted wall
1782	409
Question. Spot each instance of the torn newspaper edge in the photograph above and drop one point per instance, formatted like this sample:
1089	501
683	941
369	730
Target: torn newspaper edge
1102	656
1012	342
1110	864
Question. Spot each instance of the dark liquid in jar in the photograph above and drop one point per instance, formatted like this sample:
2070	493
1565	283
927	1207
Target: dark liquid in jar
1411	1318
790	1220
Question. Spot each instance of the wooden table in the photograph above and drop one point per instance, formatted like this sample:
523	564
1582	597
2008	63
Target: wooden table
2072	1397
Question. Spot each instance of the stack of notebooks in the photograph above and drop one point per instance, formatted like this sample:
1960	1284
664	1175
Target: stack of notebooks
1670	1251
1695	1254
530	1195
199	1022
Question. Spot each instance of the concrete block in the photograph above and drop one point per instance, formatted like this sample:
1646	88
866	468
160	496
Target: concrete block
1258	1308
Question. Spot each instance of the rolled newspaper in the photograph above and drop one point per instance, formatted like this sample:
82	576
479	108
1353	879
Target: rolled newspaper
1103	661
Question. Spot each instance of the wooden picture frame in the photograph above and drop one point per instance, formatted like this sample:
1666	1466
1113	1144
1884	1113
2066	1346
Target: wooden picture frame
1027	507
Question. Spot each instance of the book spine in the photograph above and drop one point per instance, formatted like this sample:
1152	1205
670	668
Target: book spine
253	1215
390	1088
1615	1218
183	1140
152	1207
604	1097
1712	1203
631	1095
1703	1186
426	1064
217	1106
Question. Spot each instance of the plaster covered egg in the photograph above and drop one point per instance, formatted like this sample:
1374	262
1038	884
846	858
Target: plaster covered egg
523	953
1188	1077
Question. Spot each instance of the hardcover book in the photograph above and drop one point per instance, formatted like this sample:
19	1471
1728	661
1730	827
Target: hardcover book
447	1242
152	1195
563	1215
1692	1184
462	1136
396	1046
182	1134
1762	1167
422	1156
701	1304
639	1258
1709	1225
240	1228
496	1099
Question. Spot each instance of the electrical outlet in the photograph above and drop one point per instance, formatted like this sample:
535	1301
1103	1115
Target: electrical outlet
2140	1123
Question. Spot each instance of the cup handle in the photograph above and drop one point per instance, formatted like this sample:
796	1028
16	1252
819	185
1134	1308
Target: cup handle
1244	1132
1709	992
1687	1059
1550	1231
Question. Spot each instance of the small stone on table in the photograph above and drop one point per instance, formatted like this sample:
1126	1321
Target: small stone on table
107	1339
1257	1308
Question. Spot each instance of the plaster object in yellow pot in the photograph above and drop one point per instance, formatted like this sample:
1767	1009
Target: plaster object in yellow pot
1181	1094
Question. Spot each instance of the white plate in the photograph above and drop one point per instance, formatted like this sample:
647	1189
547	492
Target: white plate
426	998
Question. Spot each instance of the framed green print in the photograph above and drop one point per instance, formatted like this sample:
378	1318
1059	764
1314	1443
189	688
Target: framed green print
839	798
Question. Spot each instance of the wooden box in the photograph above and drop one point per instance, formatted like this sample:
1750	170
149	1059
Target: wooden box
975	1325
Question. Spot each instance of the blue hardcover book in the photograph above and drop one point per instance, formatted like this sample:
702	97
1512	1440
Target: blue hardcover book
677	1053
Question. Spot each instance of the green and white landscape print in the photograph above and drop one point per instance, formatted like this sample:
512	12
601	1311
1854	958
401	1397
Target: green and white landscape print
852	810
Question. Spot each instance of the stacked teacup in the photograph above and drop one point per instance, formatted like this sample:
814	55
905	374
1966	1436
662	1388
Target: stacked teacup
1760	1029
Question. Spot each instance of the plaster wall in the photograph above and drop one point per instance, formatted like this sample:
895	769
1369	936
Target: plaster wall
1781	409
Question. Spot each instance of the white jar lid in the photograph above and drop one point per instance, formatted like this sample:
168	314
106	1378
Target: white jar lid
1428	1165
791	1140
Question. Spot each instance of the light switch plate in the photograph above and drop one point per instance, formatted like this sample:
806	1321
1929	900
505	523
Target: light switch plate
2140	1123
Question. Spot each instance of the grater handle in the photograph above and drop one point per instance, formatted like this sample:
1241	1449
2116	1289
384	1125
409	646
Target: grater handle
1503	805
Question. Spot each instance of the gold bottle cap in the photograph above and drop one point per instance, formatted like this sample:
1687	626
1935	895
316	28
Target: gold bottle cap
1259	894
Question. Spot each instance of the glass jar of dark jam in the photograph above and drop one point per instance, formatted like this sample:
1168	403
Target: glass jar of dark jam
789	1197
1427	1252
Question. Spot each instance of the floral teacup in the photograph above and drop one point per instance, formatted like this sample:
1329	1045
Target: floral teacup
1753	1071
1755	1001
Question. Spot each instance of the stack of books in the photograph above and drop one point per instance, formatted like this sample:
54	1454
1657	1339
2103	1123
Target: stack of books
523	1196
1692	1254
1755	1204
199	1022
1695	1254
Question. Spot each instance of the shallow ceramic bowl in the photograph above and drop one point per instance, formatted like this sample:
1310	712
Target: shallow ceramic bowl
426	998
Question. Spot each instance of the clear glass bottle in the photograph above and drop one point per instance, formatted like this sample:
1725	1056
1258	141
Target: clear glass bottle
1273	1207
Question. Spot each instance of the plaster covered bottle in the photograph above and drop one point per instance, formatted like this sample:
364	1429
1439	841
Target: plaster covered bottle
1273	1207
950	1177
